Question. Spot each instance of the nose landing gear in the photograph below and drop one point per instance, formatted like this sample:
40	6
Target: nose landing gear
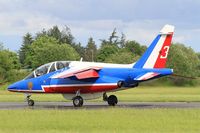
29	100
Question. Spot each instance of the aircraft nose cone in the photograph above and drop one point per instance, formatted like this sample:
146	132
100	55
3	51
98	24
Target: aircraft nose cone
12	87
18	86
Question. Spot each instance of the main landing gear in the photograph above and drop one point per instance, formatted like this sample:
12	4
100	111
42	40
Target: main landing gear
29	100
78	101
112	99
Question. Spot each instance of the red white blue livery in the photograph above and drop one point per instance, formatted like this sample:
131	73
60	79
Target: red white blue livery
79	81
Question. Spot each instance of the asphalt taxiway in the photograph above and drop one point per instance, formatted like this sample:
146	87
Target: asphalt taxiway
97	105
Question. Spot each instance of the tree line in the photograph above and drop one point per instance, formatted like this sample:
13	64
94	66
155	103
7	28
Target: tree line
55	44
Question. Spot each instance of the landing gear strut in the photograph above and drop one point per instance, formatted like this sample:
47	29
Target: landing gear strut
112	99
78	101
105	97
30	101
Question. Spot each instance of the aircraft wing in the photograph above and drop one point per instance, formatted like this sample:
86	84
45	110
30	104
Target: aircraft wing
79	72
146	76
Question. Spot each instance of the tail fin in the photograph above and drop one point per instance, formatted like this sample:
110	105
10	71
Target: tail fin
156	54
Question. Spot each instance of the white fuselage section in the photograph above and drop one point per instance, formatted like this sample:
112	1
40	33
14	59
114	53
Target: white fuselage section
98	64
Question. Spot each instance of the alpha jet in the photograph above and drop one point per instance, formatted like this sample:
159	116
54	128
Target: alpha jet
79	80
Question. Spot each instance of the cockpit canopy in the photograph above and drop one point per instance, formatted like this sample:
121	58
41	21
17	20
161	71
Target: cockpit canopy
47	68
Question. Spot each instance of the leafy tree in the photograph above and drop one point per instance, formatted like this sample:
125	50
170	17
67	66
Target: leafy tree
112	46
63	36
1	46
122	57
198	54
122	41
184	61
66	36
55	33
135	47
9	61
47	49
106	51
198	67
27	41
112	40
41	33
5	65
90	50
129	52
79	49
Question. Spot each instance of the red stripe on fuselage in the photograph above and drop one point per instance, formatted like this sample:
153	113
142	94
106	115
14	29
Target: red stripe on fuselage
71	89
83	89
162	57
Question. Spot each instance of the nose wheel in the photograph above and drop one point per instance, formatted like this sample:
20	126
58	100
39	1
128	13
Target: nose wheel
30	101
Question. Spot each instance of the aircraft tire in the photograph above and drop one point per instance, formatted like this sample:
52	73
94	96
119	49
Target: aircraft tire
30	102
78	101
112	100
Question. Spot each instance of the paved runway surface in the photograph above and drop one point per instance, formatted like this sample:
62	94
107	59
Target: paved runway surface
98	105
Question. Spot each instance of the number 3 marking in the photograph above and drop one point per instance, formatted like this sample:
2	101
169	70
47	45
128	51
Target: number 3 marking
166	50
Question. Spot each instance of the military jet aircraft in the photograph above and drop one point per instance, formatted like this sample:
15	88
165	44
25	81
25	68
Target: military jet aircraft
79	80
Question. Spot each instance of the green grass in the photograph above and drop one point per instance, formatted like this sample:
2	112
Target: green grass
107	120
139	94
160	94
111	120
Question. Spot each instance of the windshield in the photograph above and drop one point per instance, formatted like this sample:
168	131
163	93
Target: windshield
62	64
42	70
47	68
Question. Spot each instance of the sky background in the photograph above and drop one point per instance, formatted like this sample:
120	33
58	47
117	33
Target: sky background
139	20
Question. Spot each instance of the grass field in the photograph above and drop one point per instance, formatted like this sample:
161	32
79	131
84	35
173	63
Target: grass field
108	120
111	120
140	94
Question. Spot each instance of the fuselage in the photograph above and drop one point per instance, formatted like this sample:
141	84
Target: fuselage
45	84
109	77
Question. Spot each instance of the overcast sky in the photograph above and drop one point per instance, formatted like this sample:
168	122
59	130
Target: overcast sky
139	20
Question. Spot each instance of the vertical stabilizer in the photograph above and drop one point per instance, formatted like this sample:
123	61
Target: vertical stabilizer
156	54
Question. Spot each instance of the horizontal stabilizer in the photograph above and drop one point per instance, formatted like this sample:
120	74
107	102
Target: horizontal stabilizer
146	76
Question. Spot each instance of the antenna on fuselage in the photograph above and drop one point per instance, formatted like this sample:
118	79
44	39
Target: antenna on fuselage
81	59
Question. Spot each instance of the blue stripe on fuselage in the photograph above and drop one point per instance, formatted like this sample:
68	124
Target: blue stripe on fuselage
140	63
